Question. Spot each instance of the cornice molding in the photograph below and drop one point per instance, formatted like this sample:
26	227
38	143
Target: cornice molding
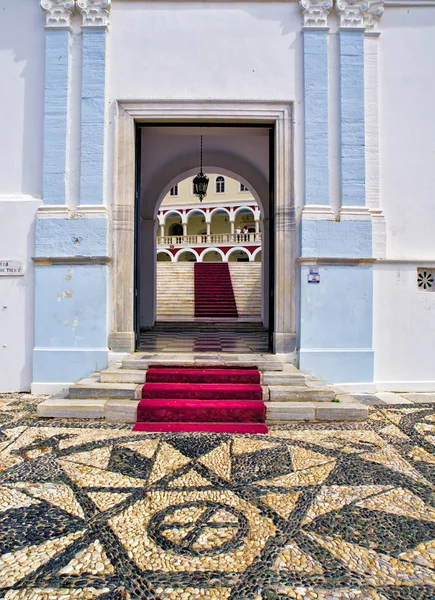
95	13
58	13
315	12
355	14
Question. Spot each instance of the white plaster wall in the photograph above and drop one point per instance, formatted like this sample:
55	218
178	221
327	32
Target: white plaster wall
404	316
209	50
404	330
407	130
216	50
22	48
17	218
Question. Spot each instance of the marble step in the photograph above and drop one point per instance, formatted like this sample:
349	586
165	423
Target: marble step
347	409
90	388
300	393
118	375
282	378
72	408
144	364
125	411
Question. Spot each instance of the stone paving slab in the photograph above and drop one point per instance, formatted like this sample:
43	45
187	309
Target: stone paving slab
323	511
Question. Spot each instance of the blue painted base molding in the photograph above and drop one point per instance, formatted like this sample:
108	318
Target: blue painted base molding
336	322
336	365
70	322
67	365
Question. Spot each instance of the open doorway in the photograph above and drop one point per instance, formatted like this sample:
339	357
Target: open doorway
209	261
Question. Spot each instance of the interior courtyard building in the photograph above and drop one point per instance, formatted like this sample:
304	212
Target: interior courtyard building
224	227
317	121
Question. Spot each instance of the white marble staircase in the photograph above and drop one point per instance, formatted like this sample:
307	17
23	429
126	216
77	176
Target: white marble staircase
175	291
176	296
246	280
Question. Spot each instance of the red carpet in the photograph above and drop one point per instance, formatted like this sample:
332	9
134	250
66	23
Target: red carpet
215	400
203	427
202	391
185	375
214	295
211	411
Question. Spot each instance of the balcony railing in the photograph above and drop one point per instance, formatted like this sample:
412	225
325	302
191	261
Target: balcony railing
213	239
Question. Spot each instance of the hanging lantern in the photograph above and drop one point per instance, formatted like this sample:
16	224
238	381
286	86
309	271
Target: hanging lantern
200	182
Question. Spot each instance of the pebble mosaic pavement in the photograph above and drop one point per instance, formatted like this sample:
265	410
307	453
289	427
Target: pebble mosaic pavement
327	511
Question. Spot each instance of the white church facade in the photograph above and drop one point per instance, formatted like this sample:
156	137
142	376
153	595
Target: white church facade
322	109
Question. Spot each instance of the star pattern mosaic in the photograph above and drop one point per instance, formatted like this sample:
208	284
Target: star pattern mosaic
326	511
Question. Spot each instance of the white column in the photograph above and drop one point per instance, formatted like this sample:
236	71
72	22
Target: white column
232	221
371	94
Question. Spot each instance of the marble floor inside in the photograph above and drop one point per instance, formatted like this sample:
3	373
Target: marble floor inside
308	511
205	337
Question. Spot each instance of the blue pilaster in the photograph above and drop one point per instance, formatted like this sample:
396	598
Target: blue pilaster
93	116
352	118
316	116
56	116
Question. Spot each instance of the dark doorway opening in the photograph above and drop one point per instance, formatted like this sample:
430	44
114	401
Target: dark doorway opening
139	276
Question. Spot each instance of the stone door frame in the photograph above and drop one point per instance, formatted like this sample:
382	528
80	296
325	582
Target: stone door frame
279	114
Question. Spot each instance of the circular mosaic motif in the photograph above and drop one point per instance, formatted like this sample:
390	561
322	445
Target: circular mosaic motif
198	528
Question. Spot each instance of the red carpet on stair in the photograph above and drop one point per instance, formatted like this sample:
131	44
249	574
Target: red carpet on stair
209	411
214	294
185	375
252	428
177	399
202	391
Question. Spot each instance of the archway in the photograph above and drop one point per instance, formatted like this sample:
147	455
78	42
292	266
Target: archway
212	255
186	256
172	221
257	255
245	220
164	256
220	221
175	229
195	222
238	255
206	232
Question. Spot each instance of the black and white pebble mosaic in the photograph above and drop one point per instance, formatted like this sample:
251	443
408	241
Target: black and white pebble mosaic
310	511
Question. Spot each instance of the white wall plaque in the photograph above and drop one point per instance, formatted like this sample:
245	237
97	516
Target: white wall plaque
11	268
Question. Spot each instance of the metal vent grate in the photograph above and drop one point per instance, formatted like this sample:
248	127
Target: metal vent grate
426	279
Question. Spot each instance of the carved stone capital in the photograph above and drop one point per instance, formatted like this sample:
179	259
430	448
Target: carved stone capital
315	12
58	13
373	14
95	13
360	13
